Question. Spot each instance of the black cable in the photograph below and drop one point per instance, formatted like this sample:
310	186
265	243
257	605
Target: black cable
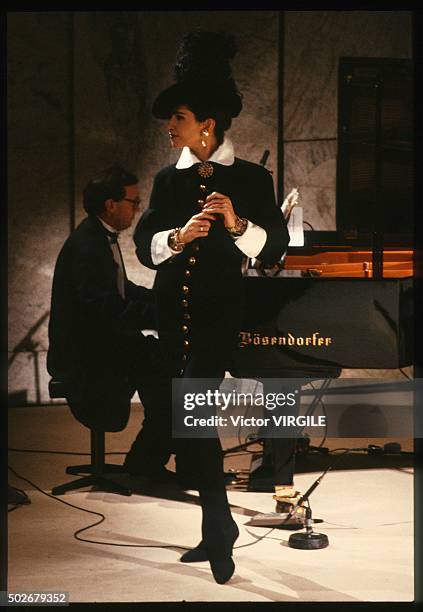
234	454
238	453
351	450
345	452
103	518
320	401
252	441
77	533
172	546
255	541
359	528
54	452
304	498
325	435
309	224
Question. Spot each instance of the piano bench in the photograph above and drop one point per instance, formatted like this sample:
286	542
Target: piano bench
97	473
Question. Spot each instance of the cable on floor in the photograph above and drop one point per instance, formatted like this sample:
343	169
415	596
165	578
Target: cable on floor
255	541
77	533
102	519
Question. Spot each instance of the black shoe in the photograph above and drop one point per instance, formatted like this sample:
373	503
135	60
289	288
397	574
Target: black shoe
222	569
199	553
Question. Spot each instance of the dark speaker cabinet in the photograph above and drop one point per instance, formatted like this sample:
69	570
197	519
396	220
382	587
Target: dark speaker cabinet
375	149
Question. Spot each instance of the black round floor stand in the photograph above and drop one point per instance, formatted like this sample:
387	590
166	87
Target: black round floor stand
308	541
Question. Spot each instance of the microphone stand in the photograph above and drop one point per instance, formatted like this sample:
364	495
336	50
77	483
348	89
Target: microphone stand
310	540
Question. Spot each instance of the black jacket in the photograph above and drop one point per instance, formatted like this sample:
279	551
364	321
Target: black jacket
214	282
94	334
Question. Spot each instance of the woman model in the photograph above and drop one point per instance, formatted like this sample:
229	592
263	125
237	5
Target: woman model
207	212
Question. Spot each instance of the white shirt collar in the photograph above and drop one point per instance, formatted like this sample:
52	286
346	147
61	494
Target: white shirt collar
223	155
107	226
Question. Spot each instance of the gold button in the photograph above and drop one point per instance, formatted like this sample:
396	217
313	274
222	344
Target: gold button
192	261
196	247
200	202
203	187
184	303
185	289
184	329
187	317
187	273
186	343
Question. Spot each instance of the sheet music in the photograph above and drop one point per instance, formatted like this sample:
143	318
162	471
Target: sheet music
295	227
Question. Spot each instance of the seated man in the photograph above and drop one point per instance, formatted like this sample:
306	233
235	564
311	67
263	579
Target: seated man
95	343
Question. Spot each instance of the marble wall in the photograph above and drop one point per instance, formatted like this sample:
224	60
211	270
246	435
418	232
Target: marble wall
39	150
313	43
81	85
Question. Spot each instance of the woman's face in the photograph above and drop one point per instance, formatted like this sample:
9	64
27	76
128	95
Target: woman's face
184	129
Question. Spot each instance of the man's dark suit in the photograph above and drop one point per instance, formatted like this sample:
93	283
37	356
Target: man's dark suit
95	343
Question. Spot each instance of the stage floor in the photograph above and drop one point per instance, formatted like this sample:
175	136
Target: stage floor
368	517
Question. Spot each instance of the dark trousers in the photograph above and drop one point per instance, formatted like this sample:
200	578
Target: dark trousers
152	447
280	452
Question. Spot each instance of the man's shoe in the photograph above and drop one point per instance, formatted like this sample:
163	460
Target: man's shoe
287	499
285	507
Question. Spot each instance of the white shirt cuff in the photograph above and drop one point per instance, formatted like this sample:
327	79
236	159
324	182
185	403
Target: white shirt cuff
252	240
160	250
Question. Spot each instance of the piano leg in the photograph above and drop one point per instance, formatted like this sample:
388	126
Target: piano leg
282	450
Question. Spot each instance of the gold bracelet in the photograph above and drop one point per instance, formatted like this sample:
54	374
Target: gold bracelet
239	228
174	241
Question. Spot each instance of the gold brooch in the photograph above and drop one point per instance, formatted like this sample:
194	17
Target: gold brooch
205	169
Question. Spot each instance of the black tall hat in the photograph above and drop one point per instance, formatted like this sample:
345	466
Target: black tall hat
203	77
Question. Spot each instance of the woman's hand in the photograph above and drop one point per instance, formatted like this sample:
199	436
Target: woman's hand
197	227
217	203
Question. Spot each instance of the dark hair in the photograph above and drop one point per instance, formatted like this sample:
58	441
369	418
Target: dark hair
223	121
109	184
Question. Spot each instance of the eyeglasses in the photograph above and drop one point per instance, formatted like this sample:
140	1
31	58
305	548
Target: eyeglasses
136	201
